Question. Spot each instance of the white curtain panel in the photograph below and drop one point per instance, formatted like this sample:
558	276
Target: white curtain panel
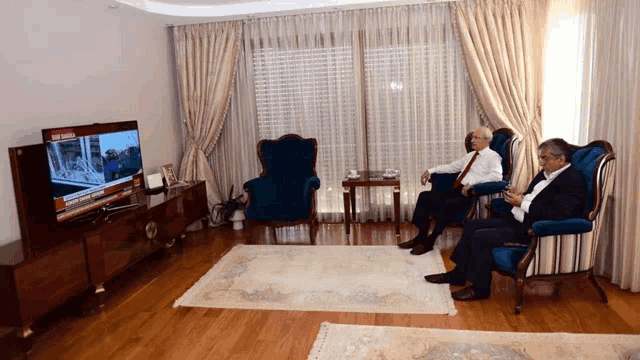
417	101
305	84
378	88
611	112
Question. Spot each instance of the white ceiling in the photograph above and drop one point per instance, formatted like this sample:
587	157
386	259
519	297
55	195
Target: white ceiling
178	12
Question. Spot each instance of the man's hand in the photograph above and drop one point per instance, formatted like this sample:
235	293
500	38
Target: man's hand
513	199
465	190
425	176
512	189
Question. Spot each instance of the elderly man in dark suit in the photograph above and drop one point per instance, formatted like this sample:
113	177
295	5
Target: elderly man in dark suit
556	193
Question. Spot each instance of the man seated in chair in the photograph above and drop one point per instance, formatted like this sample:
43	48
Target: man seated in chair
481	165
556	193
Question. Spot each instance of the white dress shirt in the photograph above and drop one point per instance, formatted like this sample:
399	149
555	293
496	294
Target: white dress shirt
519	211
486	168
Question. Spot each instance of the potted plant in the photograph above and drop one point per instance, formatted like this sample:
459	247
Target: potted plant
231	209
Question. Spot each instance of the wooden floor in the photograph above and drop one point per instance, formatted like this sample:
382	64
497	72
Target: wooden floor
139	322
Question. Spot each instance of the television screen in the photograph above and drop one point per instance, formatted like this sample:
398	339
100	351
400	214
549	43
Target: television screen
92	166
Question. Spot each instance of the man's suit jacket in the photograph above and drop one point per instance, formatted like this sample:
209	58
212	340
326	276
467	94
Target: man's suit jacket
565	197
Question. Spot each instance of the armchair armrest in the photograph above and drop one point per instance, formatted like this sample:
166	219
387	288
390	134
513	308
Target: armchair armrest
489	188
261	190
561	227
311	183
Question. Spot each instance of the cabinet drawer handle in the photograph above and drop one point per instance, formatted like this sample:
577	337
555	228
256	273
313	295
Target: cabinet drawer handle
151	229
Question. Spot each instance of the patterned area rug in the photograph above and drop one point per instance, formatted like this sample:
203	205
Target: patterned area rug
355	342
371	279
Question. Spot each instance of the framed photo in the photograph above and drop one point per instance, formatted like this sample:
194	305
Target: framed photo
169	174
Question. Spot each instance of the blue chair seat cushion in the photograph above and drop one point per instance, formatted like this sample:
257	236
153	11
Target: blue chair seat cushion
280	198
278	211
506	258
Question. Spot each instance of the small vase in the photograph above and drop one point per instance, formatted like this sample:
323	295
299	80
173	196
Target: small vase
237	218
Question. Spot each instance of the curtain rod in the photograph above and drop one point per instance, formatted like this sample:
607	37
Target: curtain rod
328	9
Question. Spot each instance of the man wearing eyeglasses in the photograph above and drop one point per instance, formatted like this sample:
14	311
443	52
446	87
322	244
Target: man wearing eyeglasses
556	193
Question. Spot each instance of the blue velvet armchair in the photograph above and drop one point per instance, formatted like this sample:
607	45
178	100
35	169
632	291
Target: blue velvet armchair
505	143
284	193
567	248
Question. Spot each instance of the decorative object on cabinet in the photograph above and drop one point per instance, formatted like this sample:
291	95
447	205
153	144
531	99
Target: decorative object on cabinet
169	174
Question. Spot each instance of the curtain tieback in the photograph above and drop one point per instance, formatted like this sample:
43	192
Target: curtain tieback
530	123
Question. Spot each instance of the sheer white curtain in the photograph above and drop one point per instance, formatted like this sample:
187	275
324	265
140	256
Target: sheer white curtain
419	106
563	73
234	159
379	88
305	84
611	111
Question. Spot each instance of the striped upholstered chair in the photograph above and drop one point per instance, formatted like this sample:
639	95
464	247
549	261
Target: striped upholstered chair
566	248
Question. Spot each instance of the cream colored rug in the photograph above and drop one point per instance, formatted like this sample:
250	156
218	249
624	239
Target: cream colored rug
371	279
355	342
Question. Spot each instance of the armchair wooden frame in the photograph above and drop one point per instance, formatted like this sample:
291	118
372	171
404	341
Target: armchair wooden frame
603	173
312	219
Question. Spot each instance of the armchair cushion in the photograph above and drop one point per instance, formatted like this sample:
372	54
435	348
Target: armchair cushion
586	160
506	258
561	227
288	156
500	144
280	198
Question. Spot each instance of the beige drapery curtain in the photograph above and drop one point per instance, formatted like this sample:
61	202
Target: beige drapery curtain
234	159
503	46
611	111
206	61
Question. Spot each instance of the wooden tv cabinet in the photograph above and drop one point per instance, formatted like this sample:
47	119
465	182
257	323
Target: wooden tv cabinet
83	257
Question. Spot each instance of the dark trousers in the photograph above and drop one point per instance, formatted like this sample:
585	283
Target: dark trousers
472	255
445	207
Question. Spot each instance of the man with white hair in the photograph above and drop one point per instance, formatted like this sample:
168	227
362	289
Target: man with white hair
479	166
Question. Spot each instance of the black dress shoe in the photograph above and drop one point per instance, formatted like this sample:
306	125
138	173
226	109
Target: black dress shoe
467	294
421	249
436	278
409	244
446	278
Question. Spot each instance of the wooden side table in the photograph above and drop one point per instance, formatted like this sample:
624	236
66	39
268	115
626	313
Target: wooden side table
369	179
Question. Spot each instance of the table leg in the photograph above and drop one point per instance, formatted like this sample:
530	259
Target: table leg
396	207
100	294
25	339
353	202
347	208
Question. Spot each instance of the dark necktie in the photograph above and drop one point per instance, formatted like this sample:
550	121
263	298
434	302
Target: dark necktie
458	181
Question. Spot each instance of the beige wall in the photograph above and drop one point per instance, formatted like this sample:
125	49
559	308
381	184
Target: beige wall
69	62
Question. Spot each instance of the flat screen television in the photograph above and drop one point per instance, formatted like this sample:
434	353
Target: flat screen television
92	167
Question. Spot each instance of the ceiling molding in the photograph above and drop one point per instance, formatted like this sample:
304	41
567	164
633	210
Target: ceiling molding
180	12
